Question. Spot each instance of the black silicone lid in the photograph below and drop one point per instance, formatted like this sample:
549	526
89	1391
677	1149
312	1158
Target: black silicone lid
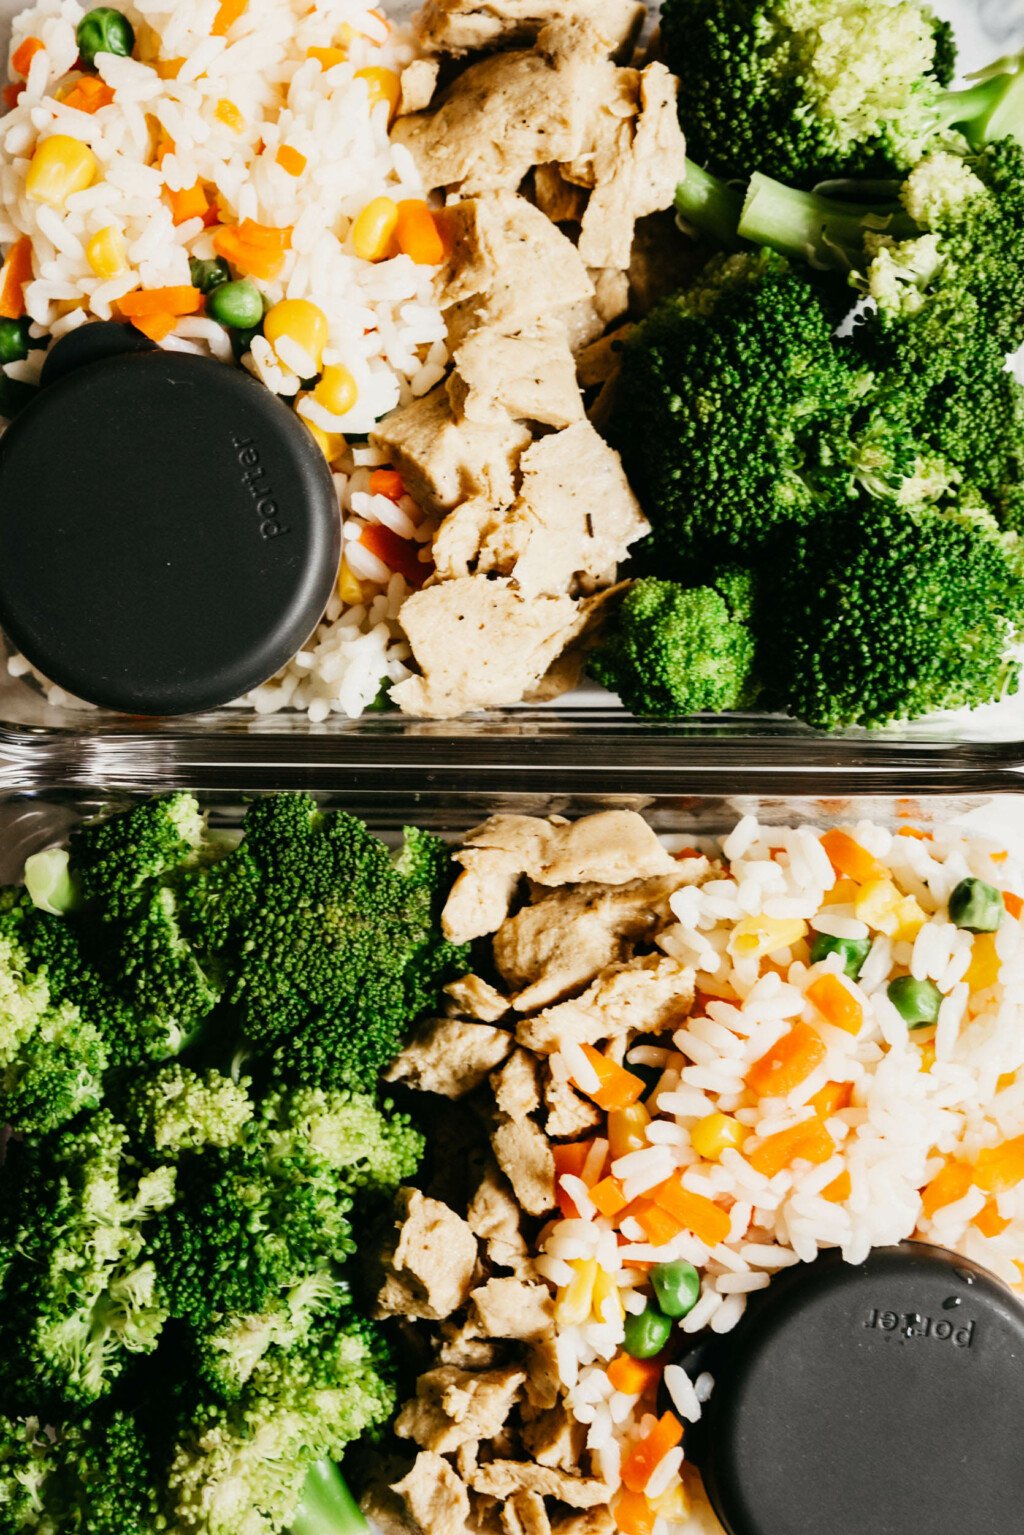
881	1399
169	531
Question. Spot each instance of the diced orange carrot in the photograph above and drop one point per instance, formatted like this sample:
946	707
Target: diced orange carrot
163	149
254	250
230	12
169	69
915	832
848	858
192	203
617	1088
642	1459
12	95
1001	1168
569	1159
150	301
608	1197
1013	904
88	95
387	482
836	1003
635	1377
831	1098
999	857
399	554
694	1212
291	160
946	1187
989	1221
156	326
658	1225
839	1189
21	58
808	1141
17	271
265	236
788	1063
417	233
633	1514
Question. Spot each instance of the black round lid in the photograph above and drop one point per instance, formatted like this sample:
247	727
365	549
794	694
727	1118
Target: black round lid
885	1398
169	531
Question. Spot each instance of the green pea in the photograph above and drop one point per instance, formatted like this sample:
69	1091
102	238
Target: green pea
104	31
677	1286
207	275
238	305
14	340
976	906
917	1002
647	1334
853	951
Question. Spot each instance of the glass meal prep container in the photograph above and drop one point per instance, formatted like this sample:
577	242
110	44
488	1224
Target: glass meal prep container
45	794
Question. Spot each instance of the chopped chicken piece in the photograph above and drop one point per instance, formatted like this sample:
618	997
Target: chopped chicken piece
470	26
611	293
612	847
529	374
575	515
508	267
429	1272
554	1438
551	949
481	645
417	84
570	1115
558	199
493	1217
467	1458
504	1478
457	541
454	1407
634	160
544	1381
512	1308
646	995
524	1156
449	1056
525	1514
601	362
386	1511
436	1498
511	111
482	895
596	1521
444	461
473	997
516	1086
461	1345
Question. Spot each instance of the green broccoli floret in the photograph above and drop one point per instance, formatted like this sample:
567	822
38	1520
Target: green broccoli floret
889	614
80	1296
735	409
158	970
52	1059
242	1468
672	650
812	89
94	1477
177	1110
338	945
116	859
370	1147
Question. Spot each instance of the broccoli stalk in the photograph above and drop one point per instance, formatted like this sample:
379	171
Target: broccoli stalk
327	1507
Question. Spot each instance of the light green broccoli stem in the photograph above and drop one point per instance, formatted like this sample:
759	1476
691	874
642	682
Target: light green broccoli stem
327	1507
824	231
991	109
48	882
709	205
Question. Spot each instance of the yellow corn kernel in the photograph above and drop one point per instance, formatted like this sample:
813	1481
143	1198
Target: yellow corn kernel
60	167
674	1505
910	919
843	893
1007	1079
169	69
297	320
928	1055
337	390
383	85
716	1133
227	113
106	253
331	444
349	587
327	58
627	1130
754	937
606	1301
373	229
983	970
879	904
575	1300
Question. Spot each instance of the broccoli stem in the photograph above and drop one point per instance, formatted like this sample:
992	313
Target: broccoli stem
328	1508
709	205
990	110
824	231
